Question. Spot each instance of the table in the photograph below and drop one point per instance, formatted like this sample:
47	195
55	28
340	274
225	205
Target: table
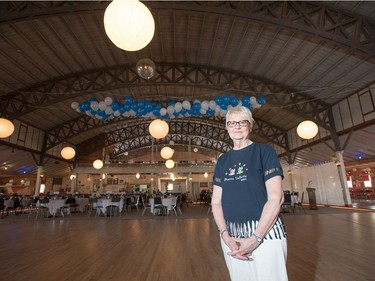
167	202
55	205
82	203
104	203
8	203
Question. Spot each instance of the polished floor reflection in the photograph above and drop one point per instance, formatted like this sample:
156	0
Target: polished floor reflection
324	244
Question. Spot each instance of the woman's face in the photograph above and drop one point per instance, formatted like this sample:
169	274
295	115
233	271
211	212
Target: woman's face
238	127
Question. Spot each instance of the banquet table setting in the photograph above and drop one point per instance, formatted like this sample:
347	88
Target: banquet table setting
54	206
103	203
82	203
167	202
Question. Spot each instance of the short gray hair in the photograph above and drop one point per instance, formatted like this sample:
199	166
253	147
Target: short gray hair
240	110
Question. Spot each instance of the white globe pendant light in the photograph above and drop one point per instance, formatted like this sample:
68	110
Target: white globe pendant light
98	164
307	129
6	128
129	24
68	152
169	164
166	152
158	129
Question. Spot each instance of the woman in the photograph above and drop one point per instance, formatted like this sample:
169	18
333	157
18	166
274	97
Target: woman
246	201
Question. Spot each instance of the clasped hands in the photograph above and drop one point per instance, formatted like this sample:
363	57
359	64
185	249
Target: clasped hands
241	248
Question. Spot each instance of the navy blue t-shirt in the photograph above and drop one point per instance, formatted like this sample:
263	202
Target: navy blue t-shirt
242	175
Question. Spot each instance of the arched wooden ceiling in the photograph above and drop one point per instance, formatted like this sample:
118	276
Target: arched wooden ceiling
304	57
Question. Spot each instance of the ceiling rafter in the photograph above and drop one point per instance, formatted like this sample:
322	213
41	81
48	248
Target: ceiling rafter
97	80
329	23
212	133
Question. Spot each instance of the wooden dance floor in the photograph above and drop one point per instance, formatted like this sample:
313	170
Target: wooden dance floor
325	244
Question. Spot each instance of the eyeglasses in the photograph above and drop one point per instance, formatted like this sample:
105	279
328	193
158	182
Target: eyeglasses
242	123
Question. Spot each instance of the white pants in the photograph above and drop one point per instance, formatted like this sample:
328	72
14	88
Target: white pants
268	264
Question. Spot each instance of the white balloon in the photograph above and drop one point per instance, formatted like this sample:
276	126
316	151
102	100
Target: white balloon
108	110
163	111
253	100
202	111
94	105
204	105
223	113
186	104
117	113
88	112
74	105
102	106
170	109
256	105
178	106
217	109
212	104
108	100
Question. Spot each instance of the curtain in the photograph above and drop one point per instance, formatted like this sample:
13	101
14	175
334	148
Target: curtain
325	178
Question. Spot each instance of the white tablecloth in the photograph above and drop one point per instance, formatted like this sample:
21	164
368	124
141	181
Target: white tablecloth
8	203
107	202
294	199
82	203
55	205
167	202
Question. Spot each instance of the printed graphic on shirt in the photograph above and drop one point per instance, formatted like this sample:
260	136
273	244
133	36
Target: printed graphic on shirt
236	173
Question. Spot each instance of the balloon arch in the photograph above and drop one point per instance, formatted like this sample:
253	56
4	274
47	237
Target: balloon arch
108	109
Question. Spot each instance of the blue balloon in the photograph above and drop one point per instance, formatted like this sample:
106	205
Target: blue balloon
183	111
156	112
234	101
134	107
128	99
115	105
210	111
224	106
93	112
245	101
148	106
101	113
127	107
218	100
141	104
86	105
226	99
122	109
262	100
197	106
93	99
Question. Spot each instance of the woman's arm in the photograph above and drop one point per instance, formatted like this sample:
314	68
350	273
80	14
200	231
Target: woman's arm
271	209
217	209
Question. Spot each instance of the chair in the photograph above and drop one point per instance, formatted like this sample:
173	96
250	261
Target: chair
176	203
208	199
16	206
93	206
158	206
285	207
72	204
135	202
42	209
299	203
146	205
2	207
114	206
